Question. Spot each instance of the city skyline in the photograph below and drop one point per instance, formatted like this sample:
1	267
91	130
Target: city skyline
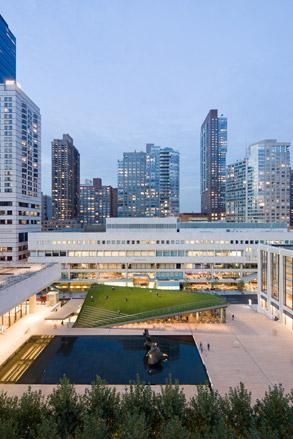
127	110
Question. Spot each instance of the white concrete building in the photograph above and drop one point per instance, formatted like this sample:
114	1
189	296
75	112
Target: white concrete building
275	283
19	285
20	171
159	252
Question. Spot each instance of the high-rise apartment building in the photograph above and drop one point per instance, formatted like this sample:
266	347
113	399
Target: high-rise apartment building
169	182
213	149
97	202
65	178
236	191
291	198
148	183
268	199
20	171
258	188
7	52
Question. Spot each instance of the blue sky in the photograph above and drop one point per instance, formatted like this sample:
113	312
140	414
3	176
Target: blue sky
116	74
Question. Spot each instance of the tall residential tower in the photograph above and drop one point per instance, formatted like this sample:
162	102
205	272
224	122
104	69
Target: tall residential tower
20	171
213	149
268	198
148	183
65	179
258	188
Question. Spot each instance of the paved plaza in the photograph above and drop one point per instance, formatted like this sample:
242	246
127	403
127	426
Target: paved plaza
251	348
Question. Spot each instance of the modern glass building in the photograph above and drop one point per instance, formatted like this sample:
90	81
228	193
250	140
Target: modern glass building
275	283
7	52
236	191
65	179
213	150
268	194
148	183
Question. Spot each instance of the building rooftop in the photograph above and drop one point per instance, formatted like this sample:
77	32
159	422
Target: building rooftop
12	274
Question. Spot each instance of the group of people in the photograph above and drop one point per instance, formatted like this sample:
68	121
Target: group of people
201	347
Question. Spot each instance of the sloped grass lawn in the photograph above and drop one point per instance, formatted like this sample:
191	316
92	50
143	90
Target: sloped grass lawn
130	303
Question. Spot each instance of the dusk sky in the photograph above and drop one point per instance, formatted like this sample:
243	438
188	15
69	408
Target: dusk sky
116	74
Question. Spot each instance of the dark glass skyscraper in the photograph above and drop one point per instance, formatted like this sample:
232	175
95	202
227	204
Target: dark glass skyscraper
65	179
213	149
7	52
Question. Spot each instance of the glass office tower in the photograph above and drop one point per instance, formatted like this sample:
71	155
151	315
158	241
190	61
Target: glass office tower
213	150
7	52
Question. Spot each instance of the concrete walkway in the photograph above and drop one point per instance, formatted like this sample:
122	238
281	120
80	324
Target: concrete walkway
251	349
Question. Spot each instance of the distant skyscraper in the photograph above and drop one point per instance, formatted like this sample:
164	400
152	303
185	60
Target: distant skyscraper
148	183
46	207
20	171
291	197
268	199
7	52
213	149
97	202
169	182
236	191
65	178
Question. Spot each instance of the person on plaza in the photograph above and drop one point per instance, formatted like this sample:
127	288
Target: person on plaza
232	316
201	347
208	346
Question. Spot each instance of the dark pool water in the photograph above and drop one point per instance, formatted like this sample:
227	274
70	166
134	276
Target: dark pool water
117	360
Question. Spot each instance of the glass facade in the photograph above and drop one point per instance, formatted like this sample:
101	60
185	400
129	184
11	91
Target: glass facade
264	271
268	194
7	52
275	267
288	282
148	183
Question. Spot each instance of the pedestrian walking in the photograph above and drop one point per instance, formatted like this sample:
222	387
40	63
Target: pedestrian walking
208	346
200	346
232	316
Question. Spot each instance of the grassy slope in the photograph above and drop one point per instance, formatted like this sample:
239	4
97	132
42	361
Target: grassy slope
142	300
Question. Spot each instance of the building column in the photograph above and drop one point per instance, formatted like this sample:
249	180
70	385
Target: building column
223	315
33	303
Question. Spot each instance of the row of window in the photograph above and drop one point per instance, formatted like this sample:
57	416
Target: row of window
158	242
138	253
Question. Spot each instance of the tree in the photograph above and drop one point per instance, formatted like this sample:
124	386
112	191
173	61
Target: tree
275	412
134	426
140	399
204	413
66	408
237	410
103	402
171	401
174	429
30	411
93	428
